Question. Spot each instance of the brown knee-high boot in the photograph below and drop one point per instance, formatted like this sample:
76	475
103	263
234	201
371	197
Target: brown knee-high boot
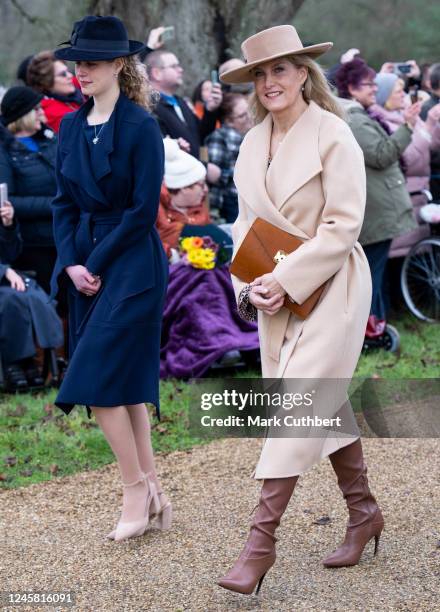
258	554
365	518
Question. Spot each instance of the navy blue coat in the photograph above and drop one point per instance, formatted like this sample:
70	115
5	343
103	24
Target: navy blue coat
104	219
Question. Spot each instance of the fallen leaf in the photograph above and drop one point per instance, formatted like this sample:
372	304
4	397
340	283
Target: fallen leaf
53	468
20	410
10	460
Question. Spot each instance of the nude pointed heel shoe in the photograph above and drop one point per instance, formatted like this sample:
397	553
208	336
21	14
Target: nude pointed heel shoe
132	529
161	510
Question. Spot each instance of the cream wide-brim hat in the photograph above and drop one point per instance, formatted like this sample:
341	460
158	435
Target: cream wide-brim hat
268	45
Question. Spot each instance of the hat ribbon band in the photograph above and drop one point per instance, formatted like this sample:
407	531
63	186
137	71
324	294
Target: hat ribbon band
104	45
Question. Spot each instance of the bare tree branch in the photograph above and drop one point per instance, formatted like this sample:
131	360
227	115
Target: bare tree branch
23	12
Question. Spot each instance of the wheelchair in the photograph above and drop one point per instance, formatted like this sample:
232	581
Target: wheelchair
420	275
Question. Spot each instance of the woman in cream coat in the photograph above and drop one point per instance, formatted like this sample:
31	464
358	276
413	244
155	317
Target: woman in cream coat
300	168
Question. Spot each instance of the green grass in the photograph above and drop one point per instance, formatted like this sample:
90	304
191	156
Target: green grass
38	442
419	355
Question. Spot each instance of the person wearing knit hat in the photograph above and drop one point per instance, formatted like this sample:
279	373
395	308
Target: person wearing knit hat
181	168
17	102
385	82
183	195
200	327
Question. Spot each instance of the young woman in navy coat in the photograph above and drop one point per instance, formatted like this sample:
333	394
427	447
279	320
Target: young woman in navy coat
110	166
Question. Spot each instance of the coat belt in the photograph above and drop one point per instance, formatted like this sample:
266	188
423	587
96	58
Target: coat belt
103	217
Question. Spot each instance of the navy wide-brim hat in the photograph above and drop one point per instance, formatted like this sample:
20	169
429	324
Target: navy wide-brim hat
97	38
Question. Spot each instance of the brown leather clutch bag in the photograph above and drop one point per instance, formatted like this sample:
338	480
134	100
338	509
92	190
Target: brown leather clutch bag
263	247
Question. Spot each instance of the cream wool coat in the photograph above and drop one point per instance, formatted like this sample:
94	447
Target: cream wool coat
315	188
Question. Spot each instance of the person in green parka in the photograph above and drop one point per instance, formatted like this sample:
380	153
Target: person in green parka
389	211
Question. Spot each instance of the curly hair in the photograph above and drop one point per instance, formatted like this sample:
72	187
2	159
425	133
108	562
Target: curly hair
40	74
316	88
352	73
134	82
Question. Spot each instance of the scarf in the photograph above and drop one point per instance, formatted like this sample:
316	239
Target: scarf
376	116
75	97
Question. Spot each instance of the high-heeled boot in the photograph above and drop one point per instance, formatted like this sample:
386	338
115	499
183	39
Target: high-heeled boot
258	554
365	518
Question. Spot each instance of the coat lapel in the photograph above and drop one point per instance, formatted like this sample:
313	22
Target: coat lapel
297	158
79	165
296	162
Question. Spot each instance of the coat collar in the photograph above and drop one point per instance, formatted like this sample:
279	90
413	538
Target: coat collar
83	167
296	161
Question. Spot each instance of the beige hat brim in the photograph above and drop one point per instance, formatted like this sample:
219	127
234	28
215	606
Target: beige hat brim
242	75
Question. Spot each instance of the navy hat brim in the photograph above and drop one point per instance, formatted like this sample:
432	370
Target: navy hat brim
74	54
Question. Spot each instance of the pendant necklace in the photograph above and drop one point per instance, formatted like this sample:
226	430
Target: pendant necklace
95	140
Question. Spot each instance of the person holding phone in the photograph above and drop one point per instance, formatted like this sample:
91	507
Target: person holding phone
110	167
394	108
175	117
388	212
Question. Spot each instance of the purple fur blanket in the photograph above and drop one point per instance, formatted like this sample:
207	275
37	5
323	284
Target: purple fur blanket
201	322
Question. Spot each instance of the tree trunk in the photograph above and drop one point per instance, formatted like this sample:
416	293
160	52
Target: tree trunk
207	31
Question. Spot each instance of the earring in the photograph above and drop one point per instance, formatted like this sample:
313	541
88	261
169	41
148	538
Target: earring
302	88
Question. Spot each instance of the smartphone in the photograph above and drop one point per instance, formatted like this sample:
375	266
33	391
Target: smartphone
168	34
414	95
214	77
3	193
403	68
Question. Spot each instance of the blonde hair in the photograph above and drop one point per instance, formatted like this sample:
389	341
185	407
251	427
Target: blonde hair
134	82
316	88
24	124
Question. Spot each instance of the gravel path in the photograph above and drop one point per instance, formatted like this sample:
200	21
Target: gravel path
53	536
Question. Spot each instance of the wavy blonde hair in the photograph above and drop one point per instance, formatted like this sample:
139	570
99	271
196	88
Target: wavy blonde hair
316	88
24	124
134	82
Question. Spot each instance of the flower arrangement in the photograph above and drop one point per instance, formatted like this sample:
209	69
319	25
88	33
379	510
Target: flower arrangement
199	252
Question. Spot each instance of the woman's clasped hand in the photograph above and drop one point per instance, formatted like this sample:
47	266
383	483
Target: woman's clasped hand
84	281
267	294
